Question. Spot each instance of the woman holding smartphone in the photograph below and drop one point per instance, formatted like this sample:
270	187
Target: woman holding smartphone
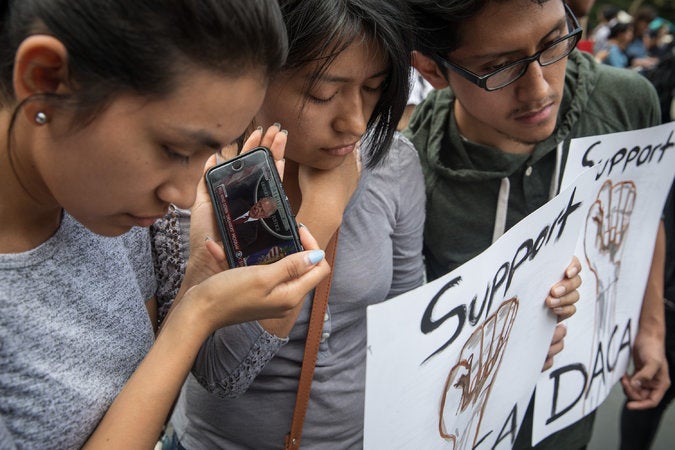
340	95
108	112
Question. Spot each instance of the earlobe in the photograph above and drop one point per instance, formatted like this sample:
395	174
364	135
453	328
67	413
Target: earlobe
41	67
428	68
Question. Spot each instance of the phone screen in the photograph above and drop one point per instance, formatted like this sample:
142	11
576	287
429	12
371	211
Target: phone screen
253	214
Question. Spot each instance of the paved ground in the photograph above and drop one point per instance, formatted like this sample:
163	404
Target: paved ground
606	429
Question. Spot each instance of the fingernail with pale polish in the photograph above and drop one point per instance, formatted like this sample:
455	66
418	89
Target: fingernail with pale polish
277	124
207	238
315	256
559	290
572	272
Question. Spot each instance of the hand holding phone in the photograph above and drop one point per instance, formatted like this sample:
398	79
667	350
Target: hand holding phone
254	219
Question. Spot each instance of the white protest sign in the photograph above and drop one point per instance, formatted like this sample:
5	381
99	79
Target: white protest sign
633	174
453	363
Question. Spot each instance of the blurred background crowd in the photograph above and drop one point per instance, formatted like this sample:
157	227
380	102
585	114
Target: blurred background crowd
636	35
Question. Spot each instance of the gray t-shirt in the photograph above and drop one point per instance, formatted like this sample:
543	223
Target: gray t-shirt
378	256
73	328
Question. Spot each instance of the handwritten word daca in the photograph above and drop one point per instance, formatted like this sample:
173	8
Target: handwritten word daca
605	361
624	157
502	278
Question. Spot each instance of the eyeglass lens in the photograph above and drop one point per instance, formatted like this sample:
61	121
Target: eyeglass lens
549	56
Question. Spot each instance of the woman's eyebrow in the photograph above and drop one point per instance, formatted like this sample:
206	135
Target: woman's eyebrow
200	137
338	79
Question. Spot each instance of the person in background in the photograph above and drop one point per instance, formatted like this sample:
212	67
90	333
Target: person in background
580	9
420	89
638	55
606	16
660	40
108	113
511	91
614	53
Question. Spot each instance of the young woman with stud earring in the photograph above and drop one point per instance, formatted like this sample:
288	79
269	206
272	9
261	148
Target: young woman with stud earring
108	112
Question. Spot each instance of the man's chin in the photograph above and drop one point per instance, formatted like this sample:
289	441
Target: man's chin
533	137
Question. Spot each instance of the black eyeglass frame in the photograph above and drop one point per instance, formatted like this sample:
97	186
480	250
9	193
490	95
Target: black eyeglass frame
481	80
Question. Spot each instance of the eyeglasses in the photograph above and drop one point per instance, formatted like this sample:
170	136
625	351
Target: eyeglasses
506	75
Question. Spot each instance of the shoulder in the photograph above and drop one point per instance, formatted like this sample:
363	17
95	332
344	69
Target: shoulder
610	99
397	179
402	149
136	240
138	248
622	85
435	106
604	78
402	161
627	96
611	78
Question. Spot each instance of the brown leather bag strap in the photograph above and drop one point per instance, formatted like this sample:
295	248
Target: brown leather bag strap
319	304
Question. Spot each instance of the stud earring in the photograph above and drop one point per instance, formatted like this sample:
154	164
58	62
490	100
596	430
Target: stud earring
40	118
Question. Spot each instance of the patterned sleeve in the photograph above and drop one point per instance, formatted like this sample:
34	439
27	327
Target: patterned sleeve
170	238
233	357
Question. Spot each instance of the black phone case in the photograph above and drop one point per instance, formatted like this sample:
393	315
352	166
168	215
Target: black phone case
254	218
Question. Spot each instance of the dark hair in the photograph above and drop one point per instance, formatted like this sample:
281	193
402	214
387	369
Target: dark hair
618	28
318	30
645	13
609	12
141	46
438	25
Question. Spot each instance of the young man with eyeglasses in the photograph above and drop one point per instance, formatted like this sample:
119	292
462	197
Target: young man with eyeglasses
488	144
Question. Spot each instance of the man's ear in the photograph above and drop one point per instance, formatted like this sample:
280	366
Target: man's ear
428	68
41	67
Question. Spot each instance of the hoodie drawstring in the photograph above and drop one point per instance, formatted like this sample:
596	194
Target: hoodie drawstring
502	207
555	179
505	188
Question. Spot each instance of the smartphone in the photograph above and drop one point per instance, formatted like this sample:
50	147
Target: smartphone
254	218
